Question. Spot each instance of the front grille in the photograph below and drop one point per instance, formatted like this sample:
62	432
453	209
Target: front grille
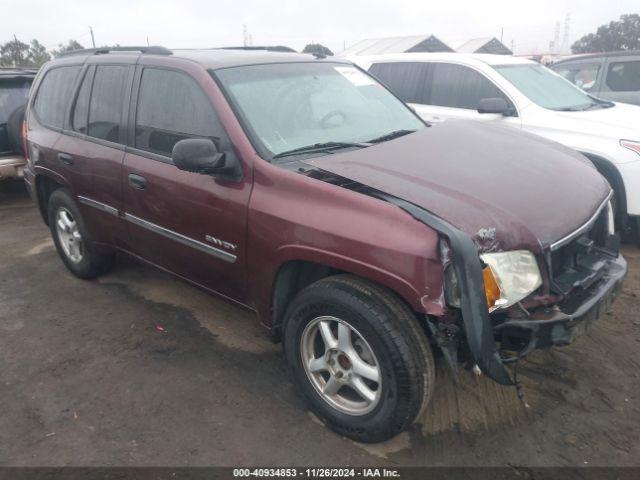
581	262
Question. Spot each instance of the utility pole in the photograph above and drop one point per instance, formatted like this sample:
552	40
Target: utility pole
565	39
245	36
93	40
501	34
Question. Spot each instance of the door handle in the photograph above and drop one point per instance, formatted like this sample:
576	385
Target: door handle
65	158
137	181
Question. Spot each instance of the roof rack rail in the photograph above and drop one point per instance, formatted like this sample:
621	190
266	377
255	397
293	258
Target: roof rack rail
269	48
152	50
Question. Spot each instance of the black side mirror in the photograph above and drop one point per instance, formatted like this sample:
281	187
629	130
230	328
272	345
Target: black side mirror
494	105
200	155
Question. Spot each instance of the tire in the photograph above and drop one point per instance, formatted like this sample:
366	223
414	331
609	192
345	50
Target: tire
85	260
383	333
14	129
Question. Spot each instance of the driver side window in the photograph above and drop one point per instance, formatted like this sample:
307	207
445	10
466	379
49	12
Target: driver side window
172	107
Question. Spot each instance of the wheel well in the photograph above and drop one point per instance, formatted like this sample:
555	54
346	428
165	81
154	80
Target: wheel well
45	186
292	277
611	173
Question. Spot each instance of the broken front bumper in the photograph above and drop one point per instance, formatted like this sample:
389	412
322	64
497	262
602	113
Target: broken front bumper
12	167
560	324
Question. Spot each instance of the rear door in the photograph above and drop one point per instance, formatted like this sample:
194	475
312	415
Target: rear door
188	223
47	119
622	80
92	147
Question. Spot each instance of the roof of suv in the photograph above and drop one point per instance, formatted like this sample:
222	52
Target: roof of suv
485	58
221	58
212	58
580	56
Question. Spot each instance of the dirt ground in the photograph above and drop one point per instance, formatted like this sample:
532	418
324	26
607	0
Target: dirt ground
139	368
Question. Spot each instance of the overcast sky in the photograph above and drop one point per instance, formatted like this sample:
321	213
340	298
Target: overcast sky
211	23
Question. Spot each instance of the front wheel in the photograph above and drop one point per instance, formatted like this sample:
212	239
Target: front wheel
359	357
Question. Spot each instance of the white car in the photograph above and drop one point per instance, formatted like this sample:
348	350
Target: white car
523	94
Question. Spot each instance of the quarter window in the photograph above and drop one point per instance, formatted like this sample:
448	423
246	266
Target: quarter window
624	76
53	95
105	106
457	86
172	107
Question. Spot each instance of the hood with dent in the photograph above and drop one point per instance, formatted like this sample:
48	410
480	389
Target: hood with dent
505	188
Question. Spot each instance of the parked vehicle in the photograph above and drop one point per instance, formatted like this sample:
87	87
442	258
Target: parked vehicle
612	76
302	189
14	92
525	95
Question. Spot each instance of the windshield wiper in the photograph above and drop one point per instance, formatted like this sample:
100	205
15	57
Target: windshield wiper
600	104
587	106
319	147
391	136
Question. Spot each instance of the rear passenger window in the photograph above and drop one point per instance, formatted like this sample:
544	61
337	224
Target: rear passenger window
54	93
408	80
457	86
172	107
624	76
107	98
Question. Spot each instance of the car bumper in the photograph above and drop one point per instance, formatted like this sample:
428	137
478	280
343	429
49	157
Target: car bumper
12	167
560	325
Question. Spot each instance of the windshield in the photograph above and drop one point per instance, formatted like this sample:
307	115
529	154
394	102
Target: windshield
13	94
546	88
289	106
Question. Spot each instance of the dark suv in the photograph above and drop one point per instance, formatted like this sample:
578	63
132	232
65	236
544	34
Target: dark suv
302	189
14	92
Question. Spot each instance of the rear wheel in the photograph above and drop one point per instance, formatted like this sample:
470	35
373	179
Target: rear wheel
72	239
359	357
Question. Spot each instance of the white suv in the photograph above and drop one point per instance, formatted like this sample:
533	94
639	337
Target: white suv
523	94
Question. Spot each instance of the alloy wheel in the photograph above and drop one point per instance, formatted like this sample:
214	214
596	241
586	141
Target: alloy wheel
341	365
69	235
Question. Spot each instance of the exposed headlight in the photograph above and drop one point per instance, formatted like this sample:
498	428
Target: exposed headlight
631	145
509	277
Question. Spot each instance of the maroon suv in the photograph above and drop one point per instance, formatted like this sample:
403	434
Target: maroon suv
302	189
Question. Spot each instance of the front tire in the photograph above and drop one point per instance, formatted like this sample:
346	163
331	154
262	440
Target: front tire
72	240
359	357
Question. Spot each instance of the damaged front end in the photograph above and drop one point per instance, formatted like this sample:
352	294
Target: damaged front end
501	305
500	308
583	274
579	277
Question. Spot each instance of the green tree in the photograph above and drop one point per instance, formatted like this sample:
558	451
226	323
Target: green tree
70	46
14	53
317	49
617	35
38	54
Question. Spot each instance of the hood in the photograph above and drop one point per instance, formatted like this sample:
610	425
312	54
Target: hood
619	121
505	188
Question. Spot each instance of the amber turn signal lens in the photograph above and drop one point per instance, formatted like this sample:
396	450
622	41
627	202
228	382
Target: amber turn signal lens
491	288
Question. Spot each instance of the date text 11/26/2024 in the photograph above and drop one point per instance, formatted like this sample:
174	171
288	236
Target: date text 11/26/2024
315	472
